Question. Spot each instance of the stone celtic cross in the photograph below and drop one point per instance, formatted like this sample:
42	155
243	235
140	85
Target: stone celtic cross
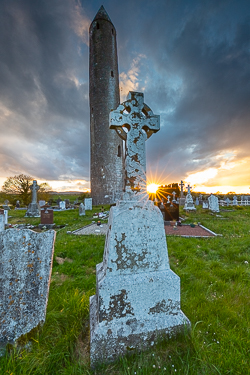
134	122
181	185
34	188
189	187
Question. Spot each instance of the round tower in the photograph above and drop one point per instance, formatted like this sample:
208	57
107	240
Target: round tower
106	170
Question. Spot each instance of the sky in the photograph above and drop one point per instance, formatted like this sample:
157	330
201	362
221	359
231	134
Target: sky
191	59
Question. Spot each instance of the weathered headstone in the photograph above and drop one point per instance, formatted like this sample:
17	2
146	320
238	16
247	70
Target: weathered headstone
67	203
33	208
235	201
189	203
81	209
213	203
200	199
25	270
47	218
197	201
137	295
17	204
182	198
42	203
62	205
88	204
2	220
205	204
6	217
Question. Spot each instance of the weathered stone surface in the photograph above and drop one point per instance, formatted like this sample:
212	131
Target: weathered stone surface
204	204
2	220
25	270
81	209
88	204
140	123
137	295
106	147
213	203
189	203
62	205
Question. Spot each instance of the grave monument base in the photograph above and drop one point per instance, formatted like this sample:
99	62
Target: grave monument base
33	210
137	295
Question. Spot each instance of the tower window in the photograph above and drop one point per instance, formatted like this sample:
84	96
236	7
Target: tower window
112	73
119	154
97	26
112	31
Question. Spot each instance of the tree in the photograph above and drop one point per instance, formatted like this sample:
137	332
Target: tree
17	187
44	192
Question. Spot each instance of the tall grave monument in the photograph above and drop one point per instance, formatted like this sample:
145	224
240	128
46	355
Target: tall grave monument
106	167
33	208
137	295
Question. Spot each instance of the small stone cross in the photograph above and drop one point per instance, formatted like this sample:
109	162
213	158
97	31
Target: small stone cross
181	185
174	194
134	122
34	188
189	187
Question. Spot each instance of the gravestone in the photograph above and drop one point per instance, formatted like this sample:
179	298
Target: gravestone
137	295
235	201
33	208
81	209
197	202
205	204
213	203
25	264
189	203
62	205
6	217
200	199
17	204
67	203
58	201
47	218
170	211
88	204
42	203
182	198
2	220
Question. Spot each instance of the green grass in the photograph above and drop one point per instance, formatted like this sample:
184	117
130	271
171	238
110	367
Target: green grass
215	285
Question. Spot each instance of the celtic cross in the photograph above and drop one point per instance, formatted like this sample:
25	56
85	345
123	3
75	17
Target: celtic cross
34	188
134	122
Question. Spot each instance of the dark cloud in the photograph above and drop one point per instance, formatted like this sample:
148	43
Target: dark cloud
195	73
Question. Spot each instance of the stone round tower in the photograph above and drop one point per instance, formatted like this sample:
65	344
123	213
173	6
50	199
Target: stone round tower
106	170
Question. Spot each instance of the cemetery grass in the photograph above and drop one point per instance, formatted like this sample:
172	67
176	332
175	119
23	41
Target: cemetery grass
214	272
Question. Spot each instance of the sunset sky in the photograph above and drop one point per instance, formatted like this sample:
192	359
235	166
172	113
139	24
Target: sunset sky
191	59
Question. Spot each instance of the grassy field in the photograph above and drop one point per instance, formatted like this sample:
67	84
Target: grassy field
215	288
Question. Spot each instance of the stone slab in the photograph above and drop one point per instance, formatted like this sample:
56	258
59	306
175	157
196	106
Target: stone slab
88	204
137	295
25	271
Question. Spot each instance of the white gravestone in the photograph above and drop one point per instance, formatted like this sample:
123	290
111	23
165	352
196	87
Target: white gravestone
88	204
81	210
235	202
33	208
62	205
189	203
137	295
42	203
6	217
204	204
25	264
2	221
213	203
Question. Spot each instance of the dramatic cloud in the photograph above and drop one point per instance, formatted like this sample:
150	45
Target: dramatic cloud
190	58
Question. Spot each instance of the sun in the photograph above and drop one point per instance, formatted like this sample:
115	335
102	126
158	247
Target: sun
152	188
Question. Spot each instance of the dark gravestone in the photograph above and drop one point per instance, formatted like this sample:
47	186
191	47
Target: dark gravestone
25	271
170	211
47	218
67	203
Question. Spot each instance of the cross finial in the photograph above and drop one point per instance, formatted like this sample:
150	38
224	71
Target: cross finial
134	122
34	188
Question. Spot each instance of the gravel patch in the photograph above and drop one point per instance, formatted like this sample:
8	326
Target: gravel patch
92	229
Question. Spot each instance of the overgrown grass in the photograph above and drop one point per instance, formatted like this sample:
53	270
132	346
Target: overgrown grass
214	272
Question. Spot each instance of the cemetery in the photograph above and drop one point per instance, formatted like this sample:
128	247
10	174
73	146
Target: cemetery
132	285
214	276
